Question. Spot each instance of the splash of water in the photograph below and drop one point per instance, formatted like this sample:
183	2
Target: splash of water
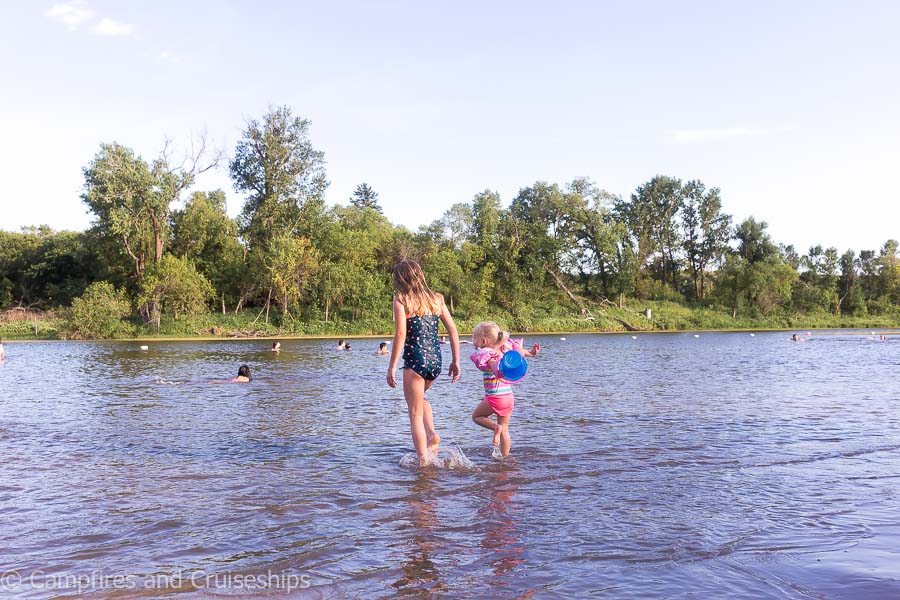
456	459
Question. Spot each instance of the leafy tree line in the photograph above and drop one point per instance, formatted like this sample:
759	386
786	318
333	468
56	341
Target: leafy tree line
154	249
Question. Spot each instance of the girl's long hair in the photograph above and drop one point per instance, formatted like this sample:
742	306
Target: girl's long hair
413	292
490	331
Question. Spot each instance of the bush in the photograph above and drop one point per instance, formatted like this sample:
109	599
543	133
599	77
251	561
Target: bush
98	314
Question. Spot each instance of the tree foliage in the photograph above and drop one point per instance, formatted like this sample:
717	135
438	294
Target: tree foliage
98	314
365	197
278	168
555	248
175	285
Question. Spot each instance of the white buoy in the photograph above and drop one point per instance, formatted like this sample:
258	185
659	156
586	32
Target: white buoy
563	339
696	335
752	335
634	337
145	347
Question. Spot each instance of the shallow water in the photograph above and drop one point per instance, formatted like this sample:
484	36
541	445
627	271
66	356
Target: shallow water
669	466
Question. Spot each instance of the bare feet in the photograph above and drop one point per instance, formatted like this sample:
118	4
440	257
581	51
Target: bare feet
434	442
498	431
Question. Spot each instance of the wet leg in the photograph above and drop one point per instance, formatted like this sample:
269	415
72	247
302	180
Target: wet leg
414	392
481	415
433	439
505	440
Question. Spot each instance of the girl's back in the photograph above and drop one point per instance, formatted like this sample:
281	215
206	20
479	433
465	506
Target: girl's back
422	350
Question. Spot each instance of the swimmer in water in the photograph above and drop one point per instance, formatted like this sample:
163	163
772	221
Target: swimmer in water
340	345
382	348
243	375
276	347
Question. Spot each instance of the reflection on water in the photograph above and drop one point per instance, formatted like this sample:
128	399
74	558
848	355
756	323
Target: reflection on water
662	466
419	571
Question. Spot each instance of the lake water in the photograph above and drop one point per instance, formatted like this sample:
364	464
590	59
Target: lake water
666	466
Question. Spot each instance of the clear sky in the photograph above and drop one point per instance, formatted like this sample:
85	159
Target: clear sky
791	108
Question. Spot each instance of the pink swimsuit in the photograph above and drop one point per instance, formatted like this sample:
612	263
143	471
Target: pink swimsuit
497	391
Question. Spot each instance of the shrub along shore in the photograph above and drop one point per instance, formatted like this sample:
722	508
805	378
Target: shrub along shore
665	317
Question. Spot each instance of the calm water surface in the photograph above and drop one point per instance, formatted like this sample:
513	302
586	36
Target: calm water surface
667	466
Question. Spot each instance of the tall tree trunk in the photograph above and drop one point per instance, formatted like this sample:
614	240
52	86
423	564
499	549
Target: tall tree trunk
562	286
268	303
327	307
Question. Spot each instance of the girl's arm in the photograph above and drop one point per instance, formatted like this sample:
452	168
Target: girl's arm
399	340
447	319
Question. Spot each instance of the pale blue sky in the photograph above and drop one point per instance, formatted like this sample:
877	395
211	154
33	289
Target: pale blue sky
791	108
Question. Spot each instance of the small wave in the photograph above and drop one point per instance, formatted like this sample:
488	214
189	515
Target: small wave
827	456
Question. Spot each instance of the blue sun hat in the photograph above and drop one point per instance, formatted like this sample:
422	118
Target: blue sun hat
512	366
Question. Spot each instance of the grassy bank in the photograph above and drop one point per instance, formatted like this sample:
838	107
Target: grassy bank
666	316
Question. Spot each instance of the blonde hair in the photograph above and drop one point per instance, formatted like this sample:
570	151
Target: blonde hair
490	331
413	292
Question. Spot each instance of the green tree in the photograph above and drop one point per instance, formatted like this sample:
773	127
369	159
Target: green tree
756	276
868	273
98	314
651	217
365	197
44	268
852	301
546	227
790	256
119	190
816	289
203	233
486	221
889	272
174	284
290	261
454	227
356	250
131	200
706	229
600	236
276	165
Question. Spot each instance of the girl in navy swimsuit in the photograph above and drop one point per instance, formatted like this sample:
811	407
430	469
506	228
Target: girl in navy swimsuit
417	311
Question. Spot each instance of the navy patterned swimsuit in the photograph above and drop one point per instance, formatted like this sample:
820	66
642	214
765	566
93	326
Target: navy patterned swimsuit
422	351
